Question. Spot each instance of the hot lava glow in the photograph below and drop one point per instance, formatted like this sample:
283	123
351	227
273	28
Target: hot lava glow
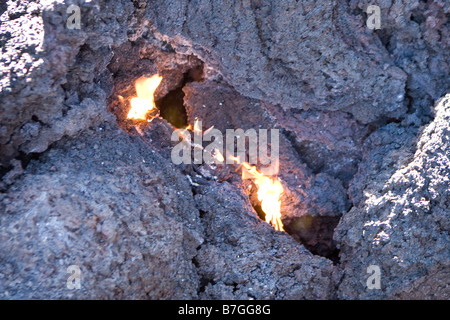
269	192
145	100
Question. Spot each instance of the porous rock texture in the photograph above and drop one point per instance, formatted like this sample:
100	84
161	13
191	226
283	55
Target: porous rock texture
360	144
50	78
108	203
301	55
97	202
401	224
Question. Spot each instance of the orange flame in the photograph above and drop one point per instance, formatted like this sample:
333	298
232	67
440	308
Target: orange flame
217	155
197	129
269	191
145	100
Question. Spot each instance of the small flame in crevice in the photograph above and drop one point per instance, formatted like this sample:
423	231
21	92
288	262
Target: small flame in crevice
269	192
197	129
217	155
145	100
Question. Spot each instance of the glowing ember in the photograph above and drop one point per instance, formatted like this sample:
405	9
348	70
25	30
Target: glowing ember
145	101
217	155
269	191
197	129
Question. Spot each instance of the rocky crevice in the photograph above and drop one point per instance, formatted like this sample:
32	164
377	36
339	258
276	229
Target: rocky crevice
112	202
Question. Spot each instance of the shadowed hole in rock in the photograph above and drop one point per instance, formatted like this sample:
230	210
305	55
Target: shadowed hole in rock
316	234
171	105
171	108
4	170
25	158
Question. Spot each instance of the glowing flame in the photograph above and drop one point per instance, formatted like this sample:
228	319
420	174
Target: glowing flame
145	100
197	129
269	190
217	155
269	193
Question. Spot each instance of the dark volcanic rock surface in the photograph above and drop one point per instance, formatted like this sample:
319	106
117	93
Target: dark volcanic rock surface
108	203
359	140
307	55
402	223
245	258
105	202
51	76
